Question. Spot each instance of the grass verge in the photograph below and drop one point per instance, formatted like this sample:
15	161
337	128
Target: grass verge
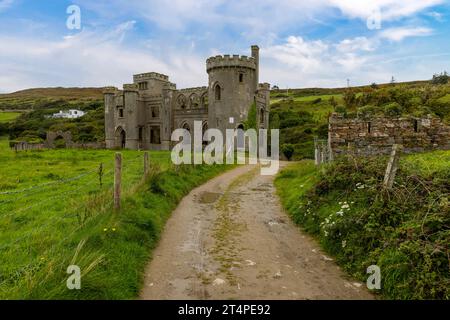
405	231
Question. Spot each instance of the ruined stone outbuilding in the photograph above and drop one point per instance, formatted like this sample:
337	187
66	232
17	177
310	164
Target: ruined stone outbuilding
145	113
377	135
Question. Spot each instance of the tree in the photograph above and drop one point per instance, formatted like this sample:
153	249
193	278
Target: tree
251	118
349	98
374	85
288	150
275	121
441	78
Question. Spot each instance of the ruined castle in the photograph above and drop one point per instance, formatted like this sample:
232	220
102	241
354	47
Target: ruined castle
144	114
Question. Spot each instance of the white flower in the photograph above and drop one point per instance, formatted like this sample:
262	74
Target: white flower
344	243
345	206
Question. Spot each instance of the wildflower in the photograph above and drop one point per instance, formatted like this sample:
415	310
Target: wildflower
105	229
345	206
113	229
340	213
326	233
344	243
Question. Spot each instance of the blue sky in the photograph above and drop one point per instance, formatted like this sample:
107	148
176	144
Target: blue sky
303	43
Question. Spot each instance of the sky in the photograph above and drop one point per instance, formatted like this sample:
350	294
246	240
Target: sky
319	43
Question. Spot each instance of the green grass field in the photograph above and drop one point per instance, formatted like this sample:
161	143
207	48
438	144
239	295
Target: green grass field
8	116
54	213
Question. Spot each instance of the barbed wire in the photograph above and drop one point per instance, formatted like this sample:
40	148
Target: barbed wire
49	183
41	187
59	195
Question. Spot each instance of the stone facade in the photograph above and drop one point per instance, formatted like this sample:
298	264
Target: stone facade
377	135
144	114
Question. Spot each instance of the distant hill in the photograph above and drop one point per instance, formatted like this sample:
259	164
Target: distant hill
48	98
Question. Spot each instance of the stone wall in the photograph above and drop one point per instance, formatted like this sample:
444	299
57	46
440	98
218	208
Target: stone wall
377	135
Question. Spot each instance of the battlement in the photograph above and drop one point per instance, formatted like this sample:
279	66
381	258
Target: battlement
170	86
264	86
227	60
193	89
150	75
110	90
130	87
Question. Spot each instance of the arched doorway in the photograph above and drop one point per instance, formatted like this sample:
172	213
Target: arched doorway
120	138
186	127
59	142
240	137
204	129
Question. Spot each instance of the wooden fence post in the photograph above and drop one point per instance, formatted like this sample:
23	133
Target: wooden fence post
146	164
117	180
392	166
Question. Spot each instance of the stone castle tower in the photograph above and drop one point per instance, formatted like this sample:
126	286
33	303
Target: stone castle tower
144	114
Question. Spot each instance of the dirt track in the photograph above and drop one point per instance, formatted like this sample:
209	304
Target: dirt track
231	239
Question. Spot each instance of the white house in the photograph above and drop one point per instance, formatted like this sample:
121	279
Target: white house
70	114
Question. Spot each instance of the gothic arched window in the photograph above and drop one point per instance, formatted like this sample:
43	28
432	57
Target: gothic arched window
217	92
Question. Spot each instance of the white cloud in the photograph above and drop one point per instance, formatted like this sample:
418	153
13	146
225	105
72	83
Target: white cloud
90	59
255	19
356	44
297	52
437	16
5	4
400	33
390	9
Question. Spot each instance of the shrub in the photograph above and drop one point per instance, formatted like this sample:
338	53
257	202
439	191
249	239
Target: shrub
404	230
288	150
392	109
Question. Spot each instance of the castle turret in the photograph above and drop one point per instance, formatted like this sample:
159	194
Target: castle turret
231	91
255	55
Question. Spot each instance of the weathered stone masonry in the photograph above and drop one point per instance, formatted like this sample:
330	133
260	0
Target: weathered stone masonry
377	135
144	114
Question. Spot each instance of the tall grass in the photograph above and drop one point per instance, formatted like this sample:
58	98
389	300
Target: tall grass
66	221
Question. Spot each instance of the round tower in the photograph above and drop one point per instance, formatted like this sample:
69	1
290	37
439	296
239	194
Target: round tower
231	90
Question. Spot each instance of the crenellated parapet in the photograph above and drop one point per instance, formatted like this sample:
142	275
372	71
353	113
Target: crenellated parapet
228	61
150	75
110	90
130	87
264	86
185	90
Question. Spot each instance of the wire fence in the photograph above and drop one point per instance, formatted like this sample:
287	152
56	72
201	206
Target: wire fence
34	211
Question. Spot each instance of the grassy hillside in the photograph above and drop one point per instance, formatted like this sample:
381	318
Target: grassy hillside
39	104
6	117
302	114
405	231
43	98
54	213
